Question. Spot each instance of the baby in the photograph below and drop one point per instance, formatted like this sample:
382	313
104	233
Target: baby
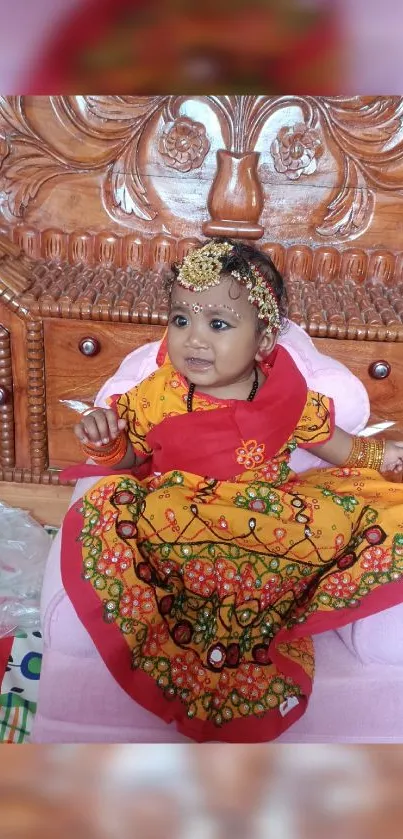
200	564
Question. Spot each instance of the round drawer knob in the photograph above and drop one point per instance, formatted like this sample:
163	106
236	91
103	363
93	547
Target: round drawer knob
89	346
4	395
379	370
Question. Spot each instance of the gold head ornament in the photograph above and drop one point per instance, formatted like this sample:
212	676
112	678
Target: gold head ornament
203	268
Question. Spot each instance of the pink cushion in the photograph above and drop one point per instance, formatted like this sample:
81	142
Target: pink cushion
378	638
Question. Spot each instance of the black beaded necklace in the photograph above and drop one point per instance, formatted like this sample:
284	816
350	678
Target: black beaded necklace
189	401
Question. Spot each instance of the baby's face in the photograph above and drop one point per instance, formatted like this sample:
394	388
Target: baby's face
213	335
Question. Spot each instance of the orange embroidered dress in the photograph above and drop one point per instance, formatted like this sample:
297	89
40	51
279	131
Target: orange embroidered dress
202	579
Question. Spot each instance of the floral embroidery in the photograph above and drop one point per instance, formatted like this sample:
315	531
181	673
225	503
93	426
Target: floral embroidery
376	559
99	495
136	603
246	589
187	673
199	577
115	560
250	454
340	585
250	682
226	577
175	381
275	588
260	498
105	523
156	638
274	471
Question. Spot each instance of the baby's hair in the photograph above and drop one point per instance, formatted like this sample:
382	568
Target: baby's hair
240	259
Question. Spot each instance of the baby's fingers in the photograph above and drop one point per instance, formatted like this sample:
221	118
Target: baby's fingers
99	427
115	425
96	428
79	431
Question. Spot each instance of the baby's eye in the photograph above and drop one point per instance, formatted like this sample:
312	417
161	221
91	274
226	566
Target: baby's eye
219	325
179	320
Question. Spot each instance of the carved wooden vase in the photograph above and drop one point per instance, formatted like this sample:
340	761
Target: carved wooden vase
235	200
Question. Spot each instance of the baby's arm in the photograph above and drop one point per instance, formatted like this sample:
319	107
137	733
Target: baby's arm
100	427
338	449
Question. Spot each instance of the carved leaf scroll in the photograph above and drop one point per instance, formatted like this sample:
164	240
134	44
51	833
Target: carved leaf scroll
124	117
27	170
128	193
117	123
368	133
352	208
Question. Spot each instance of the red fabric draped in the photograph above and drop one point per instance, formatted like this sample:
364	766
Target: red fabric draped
183	442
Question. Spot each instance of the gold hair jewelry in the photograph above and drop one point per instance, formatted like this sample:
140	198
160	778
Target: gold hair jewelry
366	453
262	297
202	269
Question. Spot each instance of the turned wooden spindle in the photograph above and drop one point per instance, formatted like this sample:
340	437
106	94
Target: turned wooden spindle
36	397
7	450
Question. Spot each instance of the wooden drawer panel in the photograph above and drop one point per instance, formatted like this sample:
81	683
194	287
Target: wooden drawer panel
70	375
386	395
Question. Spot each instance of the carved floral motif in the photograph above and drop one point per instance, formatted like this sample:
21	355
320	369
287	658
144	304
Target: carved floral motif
296	150
183	144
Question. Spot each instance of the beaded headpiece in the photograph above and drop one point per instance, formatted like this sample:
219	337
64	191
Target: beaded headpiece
202	269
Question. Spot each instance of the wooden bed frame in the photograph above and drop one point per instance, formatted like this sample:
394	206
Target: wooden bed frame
98	195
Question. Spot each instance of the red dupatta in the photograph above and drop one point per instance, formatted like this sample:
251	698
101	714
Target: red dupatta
209	442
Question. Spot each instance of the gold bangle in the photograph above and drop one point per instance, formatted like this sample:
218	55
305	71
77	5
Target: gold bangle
366	453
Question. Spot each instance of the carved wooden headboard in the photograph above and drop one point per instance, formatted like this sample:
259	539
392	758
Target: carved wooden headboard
99	193
128	184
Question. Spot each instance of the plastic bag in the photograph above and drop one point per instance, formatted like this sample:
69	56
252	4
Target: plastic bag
24	548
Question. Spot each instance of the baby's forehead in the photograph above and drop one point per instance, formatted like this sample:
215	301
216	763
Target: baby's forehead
229	292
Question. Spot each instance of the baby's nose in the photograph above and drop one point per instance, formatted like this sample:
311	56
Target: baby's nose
197	336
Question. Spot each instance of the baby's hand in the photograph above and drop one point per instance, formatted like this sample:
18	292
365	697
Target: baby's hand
393	457
99	427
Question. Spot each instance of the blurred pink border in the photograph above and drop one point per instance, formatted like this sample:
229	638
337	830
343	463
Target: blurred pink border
25	25
372	31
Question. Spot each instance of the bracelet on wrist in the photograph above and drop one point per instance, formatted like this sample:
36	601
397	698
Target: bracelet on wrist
108	454
366	453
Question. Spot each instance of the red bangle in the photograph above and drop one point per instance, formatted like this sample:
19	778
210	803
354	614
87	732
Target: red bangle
109	454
